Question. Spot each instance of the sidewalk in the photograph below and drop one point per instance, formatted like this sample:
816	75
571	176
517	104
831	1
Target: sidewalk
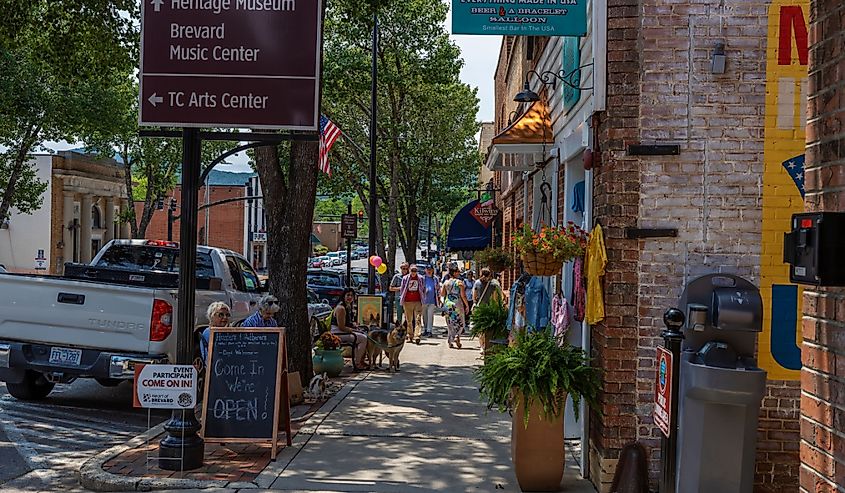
422	429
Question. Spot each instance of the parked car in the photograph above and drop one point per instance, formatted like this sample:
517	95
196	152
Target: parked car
360	276
315	262
328	284
319	314
105	317
363	252
353	255
335	258
325	261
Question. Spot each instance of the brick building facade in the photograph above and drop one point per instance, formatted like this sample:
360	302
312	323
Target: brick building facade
225	222
823	350
729	193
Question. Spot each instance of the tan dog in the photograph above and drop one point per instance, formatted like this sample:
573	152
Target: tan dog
395	343
376	341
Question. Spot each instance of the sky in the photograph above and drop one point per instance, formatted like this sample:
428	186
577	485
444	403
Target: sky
480	54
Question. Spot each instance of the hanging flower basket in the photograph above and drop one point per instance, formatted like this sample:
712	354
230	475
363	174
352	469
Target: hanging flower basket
542	264
544	252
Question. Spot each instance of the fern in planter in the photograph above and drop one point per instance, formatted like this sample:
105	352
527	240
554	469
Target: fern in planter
490	320
538	367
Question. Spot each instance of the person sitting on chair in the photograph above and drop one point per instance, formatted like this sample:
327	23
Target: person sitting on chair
343	326
265	316
218	314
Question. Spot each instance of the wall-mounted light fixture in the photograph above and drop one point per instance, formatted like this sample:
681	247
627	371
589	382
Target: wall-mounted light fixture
717	63
550	78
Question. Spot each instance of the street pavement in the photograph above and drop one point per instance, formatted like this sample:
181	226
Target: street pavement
422	429
43	443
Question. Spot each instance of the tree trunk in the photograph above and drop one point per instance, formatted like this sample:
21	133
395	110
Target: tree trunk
289	216
130	194
17	168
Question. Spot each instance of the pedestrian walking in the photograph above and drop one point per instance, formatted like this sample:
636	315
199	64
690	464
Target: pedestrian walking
486	288
411	296
455	302
431	301
395	287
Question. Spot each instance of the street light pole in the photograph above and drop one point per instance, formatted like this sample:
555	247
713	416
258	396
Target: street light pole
371	288
181	448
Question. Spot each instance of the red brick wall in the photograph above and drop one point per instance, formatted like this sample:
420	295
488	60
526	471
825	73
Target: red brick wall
615	206
226	221
823	351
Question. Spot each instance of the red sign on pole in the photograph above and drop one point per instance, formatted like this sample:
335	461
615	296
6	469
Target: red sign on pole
230	63
663	390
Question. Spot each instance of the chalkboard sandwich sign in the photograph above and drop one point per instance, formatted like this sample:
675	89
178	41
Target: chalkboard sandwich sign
243	386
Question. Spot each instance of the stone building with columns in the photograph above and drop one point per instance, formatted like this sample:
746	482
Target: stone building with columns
78	215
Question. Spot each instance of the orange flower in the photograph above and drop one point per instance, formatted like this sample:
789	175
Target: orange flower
536	241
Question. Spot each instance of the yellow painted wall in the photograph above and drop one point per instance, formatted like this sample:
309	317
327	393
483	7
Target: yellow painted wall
786	98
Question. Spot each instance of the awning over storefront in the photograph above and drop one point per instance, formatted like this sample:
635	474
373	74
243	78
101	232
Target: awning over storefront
526	135
314	239
468	233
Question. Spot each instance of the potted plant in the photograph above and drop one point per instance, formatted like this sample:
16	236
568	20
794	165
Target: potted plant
544	252
489	322
497	259
328	356
532	378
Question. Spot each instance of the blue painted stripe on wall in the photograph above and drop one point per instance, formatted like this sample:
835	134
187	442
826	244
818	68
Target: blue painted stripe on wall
785	325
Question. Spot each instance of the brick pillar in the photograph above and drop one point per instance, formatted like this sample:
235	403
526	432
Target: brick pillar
823	351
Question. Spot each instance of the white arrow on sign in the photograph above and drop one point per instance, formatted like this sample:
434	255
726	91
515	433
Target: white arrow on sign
157	4
153	99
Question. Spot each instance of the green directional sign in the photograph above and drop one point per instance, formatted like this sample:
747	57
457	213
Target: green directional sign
520	17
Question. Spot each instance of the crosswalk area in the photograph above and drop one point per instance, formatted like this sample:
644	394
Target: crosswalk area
53	437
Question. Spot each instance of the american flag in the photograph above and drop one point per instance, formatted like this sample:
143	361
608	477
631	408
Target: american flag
329	133
795	168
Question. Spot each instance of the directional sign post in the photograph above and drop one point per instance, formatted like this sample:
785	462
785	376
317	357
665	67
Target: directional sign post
230	63
221	63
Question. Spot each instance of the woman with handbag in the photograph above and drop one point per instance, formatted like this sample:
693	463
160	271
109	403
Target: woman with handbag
456	305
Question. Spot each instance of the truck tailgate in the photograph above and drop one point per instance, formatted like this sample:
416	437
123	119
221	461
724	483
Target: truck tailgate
75	313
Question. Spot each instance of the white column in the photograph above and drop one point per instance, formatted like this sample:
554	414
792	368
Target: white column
67	223
85	228
125	230
109	220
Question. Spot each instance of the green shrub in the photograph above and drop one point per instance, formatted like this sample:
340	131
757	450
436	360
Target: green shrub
489	319
538	367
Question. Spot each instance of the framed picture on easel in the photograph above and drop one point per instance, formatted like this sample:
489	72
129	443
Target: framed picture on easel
369	310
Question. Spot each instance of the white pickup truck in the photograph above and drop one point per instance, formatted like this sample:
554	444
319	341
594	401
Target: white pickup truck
98	320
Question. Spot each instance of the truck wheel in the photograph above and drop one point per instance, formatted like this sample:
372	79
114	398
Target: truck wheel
33	387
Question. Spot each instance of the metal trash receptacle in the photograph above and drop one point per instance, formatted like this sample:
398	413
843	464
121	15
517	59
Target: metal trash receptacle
718	416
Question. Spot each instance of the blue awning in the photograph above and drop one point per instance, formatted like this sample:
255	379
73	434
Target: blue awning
468	233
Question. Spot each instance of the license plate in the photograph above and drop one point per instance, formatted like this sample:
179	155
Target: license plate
65	356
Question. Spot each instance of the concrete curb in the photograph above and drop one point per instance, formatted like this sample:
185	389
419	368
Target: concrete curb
93	477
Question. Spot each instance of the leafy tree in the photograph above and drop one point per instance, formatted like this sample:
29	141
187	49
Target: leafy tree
426	120
290	186
56	58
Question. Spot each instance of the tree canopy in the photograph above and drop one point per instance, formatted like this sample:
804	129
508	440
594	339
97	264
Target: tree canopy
426	122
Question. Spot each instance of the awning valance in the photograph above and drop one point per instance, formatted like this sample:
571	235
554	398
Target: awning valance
529	134
468	233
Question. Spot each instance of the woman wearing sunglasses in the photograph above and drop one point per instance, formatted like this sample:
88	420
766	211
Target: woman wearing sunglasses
266	315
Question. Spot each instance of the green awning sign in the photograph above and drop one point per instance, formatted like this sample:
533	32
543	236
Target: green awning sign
520	17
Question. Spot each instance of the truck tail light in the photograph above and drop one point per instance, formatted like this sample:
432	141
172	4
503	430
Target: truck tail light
161	321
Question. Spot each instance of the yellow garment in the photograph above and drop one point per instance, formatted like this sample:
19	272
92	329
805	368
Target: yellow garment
596	262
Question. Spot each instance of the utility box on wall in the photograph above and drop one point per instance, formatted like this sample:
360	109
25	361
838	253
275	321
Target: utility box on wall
813	247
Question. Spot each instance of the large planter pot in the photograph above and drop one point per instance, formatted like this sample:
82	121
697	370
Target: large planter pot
541	264
537	450
329	361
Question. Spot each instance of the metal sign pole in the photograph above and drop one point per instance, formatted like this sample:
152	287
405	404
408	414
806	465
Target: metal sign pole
672	339
182	448
349	249
371	288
